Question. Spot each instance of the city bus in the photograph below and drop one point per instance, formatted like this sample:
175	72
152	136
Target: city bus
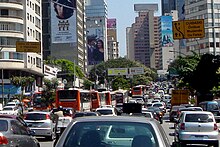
139	90
105	98
68	98
95	100
37	101
121	96
113	101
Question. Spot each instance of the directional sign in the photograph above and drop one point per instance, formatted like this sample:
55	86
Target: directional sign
136	70
28	47
178	29
117	71
194	28
186	29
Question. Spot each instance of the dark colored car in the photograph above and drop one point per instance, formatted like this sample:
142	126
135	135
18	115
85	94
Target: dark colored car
173	112
111	131
157	113
14	133
211	106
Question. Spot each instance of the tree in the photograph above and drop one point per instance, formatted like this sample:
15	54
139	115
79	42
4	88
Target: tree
49	89
22	82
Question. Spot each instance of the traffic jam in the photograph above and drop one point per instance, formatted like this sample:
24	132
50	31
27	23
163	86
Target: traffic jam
155	115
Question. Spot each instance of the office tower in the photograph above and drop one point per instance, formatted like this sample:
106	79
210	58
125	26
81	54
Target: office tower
64	34
96	28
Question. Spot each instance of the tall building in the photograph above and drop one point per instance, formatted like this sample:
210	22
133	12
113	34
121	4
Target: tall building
19	21
96	28
157	41
64	35
168	5
142	34
209	11
113	50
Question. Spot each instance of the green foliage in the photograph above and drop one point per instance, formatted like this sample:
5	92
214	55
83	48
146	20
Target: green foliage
120	83
49	90
87	84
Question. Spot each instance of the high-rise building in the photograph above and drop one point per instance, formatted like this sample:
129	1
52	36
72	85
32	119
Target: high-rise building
209	11
96	28
142	34
20	20
168	5
64	33
113	50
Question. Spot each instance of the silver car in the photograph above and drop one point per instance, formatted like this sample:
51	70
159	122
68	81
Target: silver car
120	131
15	134
41	123
196	127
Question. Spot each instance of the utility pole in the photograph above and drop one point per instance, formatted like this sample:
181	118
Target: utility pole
3	101
213	29
74	82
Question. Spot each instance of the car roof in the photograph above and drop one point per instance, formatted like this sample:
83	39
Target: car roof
196	112
105	108
114	118
9	107
39	112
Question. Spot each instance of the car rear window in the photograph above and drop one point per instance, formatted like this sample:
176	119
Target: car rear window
198	118
35	116
3	125
105	112
120	134
9	108
158	105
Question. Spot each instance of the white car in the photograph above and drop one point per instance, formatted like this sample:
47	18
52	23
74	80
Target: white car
197	127
10	110
132	101
107	111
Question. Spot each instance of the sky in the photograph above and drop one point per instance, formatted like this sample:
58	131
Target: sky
123	11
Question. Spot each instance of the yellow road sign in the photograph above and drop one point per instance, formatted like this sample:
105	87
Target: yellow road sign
117	71
28	47
178	29
194	28
186	29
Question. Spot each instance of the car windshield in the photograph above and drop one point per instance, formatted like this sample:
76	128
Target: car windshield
198	118
158	105
120	134
105	112
35	116
3	125
11	105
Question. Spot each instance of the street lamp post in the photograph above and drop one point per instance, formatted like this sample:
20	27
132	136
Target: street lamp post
3	101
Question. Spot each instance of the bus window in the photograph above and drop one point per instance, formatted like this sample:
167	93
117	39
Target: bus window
67	95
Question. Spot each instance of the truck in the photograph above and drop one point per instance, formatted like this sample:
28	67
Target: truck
180	97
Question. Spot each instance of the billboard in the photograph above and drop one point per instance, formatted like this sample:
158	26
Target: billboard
111	23
63	21
166	31
95	44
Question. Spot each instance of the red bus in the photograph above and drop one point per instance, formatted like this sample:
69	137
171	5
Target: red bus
105	98
113	101
37	103
95	100
68	98
139	90
121	96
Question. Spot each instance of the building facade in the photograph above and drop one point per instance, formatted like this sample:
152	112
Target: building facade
141	43
20	20
64	37
113	44
96	28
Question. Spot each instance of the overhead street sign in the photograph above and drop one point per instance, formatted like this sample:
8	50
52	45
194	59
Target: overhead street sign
117	71
187	29
178	30
136	70
28	47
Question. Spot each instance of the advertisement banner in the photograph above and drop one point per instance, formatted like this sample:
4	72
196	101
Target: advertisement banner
111	23
166	30
63	21
95	45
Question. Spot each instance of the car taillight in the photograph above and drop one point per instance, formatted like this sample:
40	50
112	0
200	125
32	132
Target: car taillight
47	116
182	126
215	127
3	140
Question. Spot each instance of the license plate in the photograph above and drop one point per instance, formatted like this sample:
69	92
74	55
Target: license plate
199	136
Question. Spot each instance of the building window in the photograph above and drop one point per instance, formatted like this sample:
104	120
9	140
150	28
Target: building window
4	12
